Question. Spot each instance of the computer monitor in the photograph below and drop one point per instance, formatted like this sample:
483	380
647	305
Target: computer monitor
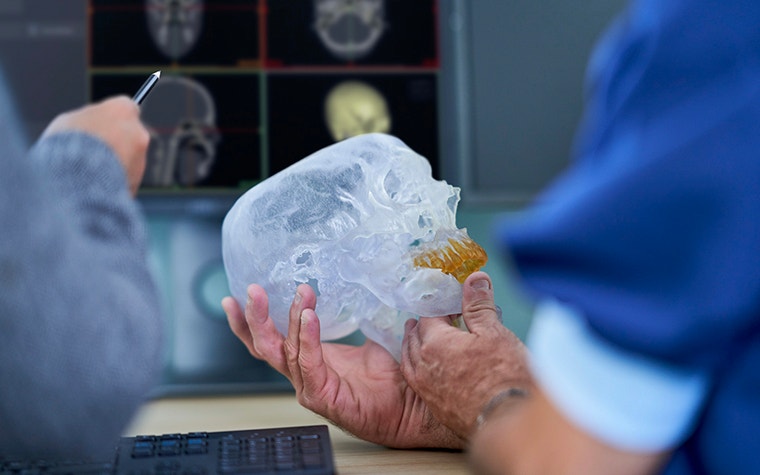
247	87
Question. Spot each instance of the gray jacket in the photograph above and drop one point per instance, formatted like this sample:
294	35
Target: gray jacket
80	326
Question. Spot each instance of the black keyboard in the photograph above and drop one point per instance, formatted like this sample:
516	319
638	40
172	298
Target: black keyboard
304	450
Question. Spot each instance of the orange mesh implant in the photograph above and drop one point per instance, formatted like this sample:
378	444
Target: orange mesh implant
455	254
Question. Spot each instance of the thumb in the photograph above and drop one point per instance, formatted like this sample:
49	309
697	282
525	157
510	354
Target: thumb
479	310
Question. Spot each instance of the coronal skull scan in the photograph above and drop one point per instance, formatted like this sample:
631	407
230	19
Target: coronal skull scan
174	25
367	226
349	29
181	118
354	108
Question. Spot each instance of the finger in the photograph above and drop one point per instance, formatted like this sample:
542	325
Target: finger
429	325
478	307
410	346
315	374
267	340
304	298
238	325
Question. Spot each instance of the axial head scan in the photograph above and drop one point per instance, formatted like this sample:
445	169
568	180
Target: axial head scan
354	108
366	225
174	25
181	119
349	29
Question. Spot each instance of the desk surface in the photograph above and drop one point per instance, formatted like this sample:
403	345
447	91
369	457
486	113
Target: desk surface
352	456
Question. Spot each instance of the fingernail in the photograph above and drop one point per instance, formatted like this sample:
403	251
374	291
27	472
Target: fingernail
481	284
297	299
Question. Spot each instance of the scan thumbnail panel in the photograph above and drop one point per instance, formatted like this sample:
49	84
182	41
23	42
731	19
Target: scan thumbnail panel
205	129
190	33
319	110
249	87
359	32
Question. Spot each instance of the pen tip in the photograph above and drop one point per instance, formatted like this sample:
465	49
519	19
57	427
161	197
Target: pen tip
158	74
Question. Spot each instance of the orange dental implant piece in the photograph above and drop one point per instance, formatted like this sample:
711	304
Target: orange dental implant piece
457	255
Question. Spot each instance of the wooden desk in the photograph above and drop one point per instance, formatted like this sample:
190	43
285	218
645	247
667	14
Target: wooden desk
352	456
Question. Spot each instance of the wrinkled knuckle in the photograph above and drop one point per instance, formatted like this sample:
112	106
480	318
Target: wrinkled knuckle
428	351
255	348
305	364
306	400
482	307
291	354
484	304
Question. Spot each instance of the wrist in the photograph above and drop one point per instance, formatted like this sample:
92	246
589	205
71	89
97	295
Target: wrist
500	402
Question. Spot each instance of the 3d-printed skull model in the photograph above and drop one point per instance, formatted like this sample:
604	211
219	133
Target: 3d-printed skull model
354	108
365	224
181	119
174	25
349	29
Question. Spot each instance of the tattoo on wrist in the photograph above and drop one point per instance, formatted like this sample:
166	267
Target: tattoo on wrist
497	401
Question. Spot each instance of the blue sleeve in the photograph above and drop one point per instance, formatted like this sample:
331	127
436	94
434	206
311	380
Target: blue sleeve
80	317
627	400
652	234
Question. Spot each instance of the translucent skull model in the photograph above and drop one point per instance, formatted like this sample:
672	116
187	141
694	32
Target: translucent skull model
365	224
349	29
181	118
174	25
354	108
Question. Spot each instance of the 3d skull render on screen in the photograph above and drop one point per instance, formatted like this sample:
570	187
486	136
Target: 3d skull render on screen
366	225
355	108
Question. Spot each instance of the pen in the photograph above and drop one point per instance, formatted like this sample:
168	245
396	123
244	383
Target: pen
145	89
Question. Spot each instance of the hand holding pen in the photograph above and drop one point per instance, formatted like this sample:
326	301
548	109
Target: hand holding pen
116	122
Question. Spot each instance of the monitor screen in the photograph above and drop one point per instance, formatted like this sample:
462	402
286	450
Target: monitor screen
247	87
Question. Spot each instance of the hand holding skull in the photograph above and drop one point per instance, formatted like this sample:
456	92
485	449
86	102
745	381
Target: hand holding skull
358	388
439	361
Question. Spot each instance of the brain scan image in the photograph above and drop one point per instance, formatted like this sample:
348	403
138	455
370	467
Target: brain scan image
349	29
365	224
174	25
354	108
181	118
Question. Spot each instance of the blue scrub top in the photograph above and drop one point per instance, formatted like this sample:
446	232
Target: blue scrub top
653	234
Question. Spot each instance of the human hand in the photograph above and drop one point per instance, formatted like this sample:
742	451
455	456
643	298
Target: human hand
360	389
116	121
457	372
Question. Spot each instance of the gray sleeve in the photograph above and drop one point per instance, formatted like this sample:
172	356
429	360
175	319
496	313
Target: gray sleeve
80	326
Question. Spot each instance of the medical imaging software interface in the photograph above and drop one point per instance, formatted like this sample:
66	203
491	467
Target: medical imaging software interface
247	87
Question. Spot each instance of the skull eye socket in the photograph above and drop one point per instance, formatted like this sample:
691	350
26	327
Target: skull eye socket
397	192
391	184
